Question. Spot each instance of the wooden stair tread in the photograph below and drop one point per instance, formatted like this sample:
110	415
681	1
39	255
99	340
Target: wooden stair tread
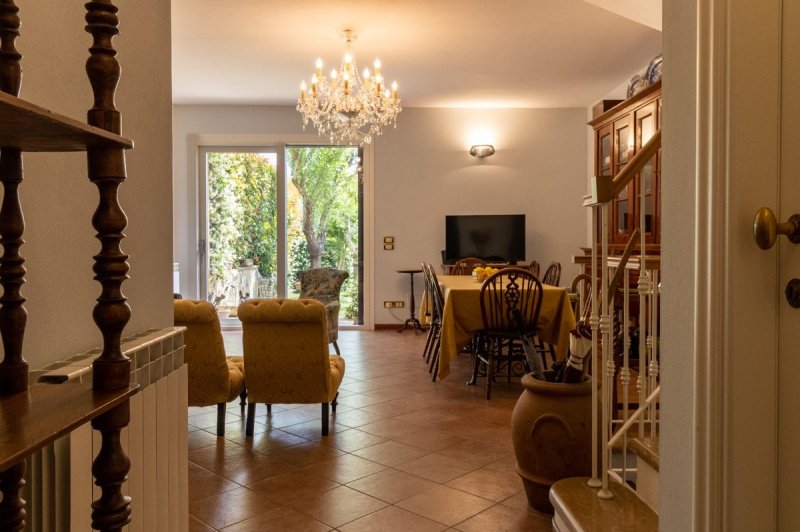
45	412
647	449
29	127
580	509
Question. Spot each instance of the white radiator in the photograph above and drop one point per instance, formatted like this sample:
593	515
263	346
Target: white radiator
59	487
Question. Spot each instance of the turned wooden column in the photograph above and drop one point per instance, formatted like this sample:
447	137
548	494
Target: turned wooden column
13	317
111	370
13	368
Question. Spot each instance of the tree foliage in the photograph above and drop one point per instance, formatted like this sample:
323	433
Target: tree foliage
242	214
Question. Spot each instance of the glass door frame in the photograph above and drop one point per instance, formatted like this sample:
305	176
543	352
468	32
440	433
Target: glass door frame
200	144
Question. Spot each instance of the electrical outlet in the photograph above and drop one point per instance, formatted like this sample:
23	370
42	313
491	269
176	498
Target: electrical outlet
394	304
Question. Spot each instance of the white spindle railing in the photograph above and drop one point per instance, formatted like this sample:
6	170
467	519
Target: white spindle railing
612	423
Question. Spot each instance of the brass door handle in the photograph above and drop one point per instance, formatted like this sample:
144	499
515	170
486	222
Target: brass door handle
766	228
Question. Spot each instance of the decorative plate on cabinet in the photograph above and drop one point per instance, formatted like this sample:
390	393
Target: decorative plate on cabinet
653	72
636	84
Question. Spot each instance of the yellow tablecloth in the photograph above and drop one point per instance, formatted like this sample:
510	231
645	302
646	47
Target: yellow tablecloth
462	317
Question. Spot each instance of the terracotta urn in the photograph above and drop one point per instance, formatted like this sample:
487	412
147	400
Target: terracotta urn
551	427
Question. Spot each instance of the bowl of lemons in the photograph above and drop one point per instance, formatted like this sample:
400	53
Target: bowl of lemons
482	272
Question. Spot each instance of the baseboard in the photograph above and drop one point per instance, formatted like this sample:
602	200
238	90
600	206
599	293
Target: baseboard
387	326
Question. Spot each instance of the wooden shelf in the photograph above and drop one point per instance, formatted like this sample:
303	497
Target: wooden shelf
28	127
32	419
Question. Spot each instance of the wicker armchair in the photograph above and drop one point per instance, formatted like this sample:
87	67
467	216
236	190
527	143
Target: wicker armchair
324	285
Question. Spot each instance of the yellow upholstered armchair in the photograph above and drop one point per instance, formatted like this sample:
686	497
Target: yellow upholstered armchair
214	379
324	284
286	355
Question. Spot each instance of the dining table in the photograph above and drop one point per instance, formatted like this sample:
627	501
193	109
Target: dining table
461	317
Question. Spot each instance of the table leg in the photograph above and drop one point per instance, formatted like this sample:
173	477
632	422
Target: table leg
412	322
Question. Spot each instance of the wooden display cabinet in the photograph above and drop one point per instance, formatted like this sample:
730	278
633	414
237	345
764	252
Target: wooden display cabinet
618	134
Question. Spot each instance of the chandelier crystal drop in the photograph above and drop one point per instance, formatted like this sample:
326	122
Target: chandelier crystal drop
347	107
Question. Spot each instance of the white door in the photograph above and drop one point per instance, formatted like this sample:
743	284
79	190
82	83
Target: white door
789	268
731	431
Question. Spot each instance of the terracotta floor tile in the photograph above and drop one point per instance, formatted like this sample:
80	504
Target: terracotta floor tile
201	438
359	400
290	417
198	526
428	417
312	430
346	468
338	506
306	453
437	467
270	440
289	487
390	519
352	440
279	520
389	428
355	417
391	453
496	486
429	439
204	483
391	485
504	519
520	503
230	507
471	451
390	420
445	505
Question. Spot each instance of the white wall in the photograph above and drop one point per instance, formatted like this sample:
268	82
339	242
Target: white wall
423	171
57	198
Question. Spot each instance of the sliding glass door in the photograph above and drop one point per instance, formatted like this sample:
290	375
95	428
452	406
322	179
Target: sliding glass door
271	212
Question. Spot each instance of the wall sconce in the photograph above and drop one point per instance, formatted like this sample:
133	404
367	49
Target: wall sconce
482	150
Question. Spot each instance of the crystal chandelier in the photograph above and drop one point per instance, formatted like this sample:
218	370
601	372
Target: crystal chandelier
349	108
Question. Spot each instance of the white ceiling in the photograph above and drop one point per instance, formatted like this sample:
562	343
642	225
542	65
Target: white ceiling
443	53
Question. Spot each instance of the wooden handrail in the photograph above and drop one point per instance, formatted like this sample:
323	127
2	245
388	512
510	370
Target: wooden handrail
606	188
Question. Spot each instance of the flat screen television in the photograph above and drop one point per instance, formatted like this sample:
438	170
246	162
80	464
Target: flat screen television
491	237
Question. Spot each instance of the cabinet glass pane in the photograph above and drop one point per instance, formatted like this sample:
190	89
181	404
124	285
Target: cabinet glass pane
647	128
623	144
648	214
605	155
647	177
623	213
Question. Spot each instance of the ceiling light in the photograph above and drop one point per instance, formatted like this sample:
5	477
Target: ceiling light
348	107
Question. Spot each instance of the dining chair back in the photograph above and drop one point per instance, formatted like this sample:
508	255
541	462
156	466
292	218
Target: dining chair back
552	275
466	265
510	302
436	304
533	267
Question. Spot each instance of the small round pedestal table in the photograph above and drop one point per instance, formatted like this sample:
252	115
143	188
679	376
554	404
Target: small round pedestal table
412	322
